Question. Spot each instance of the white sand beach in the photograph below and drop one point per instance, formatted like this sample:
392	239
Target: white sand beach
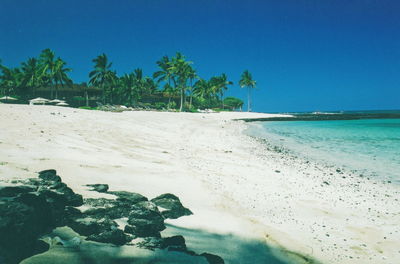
239	190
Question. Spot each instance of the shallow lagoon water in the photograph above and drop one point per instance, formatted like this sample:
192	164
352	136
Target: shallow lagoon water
370	146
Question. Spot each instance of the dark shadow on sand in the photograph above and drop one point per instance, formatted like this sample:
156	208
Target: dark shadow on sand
234	249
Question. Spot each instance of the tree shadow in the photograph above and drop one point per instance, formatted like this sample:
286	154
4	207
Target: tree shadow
235	249
98	253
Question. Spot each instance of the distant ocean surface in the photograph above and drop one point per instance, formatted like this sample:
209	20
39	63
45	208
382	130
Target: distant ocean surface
370	146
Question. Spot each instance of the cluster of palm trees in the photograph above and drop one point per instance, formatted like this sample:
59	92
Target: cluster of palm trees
127	89
175	80
44	71
175	77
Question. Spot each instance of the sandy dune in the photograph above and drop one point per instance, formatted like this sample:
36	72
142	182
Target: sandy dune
240	192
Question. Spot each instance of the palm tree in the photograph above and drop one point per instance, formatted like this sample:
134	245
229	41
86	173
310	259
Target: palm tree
164	74
247	81
180	68
204	89
85	89
47	60
11	80
31	74
169	91
111	86
101	73
223	84
218	85
138	80
150	86
128	85
135	85
175	71
201	88
191	74
60	74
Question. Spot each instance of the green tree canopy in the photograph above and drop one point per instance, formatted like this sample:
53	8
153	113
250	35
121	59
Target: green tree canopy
248	82
102	74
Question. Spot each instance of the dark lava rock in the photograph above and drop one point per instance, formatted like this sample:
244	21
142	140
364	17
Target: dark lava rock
100	202
71	213
63	196
29	211
174	243
89	226
146	220
99	187
112	209
167	201
174	207
213	259
151	243
129	197
34	207
131	230
20	226
40	247
72	198
11	191
115	236
58	200
49	175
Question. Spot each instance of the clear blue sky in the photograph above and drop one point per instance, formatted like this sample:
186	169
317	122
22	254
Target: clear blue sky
304	54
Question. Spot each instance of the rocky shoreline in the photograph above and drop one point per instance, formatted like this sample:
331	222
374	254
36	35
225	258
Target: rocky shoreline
34	213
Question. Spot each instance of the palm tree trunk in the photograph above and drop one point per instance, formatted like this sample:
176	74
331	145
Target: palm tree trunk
104	94
111	95
191	94
184	96
131	96
248	100
181	106
56	90
87	98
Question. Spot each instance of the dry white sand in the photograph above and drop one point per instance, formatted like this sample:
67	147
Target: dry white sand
234	184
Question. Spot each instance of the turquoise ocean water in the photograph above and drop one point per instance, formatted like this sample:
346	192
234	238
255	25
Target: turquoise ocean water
370	146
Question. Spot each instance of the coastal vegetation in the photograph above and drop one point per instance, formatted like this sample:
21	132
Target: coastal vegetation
175	85
248	82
